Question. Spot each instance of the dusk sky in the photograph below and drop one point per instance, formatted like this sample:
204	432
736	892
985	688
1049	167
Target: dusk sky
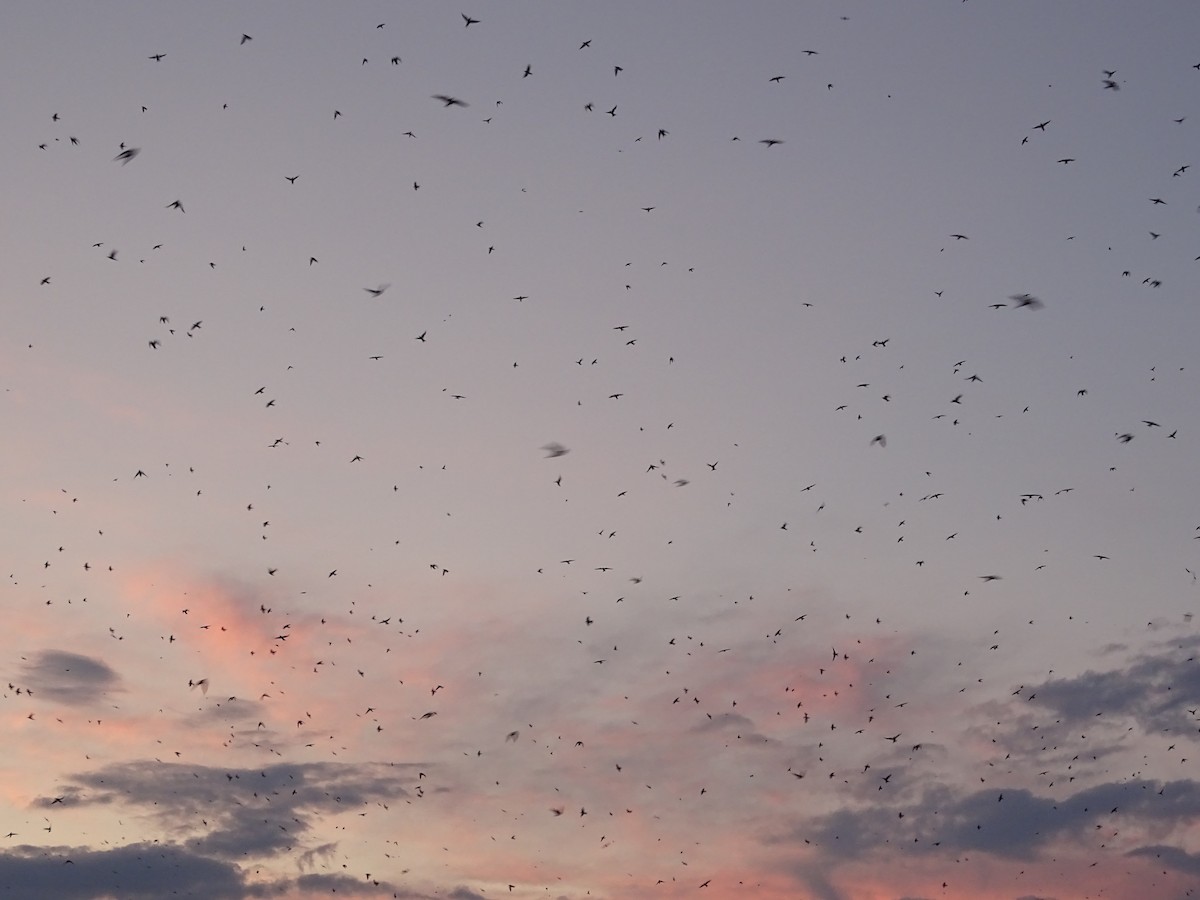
609	450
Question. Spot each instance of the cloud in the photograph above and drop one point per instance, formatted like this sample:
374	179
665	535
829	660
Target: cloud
1155	690
241	813
1174	857
69	678
149	871
1004	822
343	885
134	872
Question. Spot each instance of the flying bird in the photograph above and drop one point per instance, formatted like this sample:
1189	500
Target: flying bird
1027	300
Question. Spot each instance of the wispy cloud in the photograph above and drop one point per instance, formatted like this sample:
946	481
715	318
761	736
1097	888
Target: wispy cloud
69	678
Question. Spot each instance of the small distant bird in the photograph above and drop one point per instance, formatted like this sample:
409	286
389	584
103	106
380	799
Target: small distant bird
448	100
126	155
468	20
245	37
157	57
1027	300
375	292
770	142
555	449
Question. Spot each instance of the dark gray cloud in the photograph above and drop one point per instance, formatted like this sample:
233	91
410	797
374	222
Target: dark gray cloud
1174	857
326	885
69	678
151	871
1005	822
240	813
1155	689
132	872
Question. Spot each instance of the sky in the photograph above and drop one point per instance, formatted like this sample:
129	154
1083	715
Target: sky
612	450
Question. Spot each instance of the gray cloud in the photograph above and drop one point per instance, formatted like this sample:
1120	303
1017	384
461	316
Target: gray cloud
150	871
1015	827
240	813
325	885
133	872
69	678
1155	689
1174	857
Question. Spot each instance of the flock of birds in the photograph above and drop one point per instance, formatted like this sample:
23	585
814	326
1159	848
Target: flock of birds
612	715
